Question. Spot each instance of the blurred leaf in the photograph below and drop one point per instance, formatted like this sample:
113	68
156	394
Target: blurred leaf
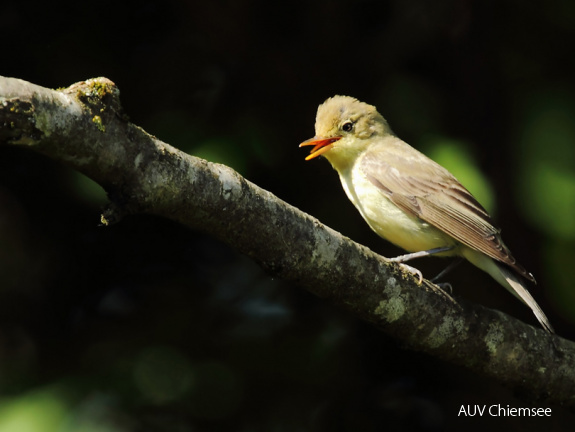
559	257
550	194
39	411
546	151
87	190
456	157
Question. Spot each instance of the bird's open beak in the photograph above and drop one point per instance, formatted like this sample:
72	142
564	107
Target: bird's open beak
321	145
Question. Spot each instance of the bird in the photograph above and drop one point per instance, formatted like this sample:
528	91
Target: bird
409	199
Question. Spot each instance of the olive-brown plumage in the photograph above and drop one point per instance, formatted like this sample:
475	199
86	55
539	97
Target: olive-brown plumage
407	198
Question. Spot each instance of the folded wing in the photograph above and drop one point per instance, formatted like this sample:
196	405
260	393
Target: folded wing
431	193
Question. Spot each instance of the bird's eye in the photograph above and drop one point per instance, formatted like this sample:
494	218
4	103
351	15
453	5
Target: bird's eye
347	126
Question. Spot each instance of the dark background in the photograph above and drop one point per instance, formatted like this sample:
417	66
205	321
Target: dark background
148	326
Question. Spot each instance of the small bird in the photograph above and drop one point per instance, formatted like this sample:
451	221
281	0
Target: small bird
410	200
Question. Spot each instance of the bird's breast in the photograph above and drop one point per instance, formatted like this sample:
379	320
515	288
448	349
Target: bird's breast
386	219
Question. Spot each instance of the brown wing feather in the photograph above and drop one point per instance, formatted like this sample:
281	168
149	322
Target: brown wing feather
431	193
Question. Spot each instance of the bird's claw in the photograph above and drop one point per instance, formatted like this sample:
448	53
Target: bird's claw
413	271
445	286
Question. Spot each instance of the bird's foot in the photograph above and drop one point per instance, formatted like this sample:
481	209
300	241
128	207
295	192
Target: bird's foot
445	286
413	271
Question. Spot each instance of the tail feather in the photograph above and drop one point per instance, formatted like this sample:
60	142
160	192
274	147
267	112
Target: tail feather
517	289
510	280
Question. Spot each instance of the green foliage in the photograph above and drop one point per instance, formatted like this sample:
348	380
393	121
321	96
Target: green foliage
42	410
458	159
545	151
86	189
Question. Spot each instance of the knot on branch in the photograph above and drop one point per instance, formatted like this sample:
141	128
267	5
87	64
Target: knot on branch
100	96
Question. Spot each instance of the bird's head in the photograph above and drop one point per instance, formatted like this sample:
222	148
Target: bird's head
345	126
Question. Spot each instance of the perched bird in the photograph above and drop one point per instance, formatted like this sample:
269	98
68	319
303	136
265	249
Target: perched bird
410	200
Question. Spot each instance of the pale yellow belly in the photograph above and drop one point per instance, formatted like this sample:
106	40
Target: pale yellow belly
391	223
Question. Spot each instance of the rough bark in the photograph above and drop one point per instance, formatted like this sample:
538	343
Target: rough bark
85	127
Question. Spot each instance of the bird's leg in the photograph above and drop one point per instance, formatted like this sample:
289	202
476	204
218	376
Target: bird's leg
410	256
447	269
403	258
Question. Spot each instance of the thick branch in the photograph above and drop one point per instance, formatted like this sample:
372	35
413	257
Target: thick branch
84	127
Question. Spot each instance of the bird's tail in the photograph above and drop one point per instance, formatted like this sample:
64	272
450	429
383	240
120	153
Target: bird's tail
511	281
516	286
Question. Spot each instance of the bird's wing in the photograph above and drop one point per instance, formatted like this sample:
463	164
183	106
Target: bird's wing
424	189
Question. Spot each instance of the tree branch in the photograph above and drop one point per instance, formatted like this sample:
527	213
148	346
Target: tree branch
85	127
